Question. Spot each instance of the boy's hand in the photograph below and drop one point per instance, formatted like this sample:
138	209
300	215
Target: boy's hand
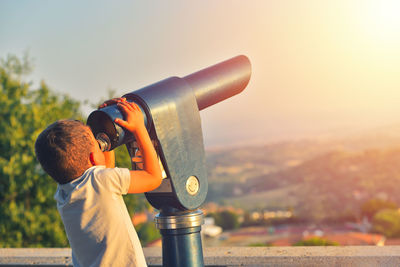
112	102
133	116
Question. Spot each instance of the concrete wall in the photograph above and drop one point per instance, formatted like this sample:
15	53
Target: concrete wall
231	256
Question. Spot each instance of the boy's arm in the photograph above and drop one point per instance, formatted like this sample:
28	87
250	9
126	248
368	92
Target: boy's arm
150	177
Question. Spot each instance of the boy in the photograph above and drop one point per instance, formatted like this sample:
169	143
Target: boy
90	188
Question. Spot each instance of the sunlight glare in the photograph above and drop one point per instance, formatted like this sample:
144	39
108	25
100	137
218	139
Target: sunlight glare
383	19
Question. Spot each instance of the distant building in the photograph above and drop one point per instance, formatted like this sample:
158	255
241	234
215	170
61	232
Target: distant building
266	215
209	228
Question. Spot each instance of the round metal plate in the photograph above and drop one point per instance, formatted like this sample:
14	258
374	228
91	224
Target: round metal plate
192	185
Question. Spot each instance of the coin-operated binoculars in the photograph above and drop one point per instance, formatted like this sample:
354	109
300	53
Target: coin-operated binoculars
171	110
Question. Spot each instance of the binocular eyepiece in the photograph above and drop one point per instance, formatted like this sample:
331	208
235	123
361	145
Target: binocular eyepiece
108	134
103	141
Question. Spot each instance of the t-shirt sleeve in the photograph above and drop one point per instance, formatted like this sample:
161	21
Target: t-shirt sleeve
116	180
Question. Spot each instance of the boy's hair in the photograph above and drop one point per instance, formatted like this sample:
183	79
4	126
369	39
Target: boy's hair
63	150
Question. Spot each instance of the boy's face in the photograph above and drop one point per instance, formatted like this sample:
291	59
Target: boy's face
96	155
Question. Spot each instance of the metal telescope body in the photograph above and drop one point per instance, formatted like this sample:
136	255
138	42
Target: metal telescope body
171	110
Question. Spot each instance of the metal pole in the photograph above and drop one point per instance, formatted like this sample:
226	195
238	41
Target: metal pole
181	240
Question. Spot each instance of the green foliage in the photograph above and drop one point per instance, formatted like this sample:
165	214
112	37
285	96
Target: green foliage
387	222
316	241
147	232
228	220
28	215
372	206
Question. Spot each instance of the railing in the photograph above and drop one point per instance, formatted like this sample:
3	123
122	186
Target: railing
230	256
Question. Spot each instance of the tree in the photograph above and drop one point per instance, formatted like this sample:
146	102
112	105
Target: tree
28	215
147	233
387	222
372	206
226	219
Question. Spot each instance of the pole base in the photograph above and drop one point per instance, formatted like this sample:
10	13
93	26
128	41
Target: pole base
181	240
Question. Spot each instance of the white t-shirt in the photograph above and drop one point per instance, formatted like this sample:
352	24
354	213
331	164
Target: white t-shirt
97	223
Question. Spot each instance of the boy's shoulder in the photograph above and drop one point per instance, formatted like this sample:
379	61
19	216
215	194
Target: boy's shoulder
100	171
97	180
114	179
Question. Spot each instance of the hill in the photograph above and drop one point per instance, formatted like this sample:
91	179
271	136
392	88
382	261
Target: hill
324	179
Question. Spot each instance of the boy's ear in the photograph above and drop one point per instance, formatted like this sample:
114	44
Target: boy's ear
92	159
96	158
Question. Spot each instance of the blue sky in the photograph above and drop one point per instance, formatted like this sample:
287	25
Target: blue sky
318	66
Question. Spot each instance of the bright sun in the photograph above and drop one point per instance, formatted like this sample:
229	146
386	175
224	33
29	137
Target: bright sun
383	18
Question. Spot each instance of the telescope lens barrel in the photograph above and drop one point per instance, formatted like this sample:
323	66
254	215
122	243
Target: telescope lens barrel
220	81
209	86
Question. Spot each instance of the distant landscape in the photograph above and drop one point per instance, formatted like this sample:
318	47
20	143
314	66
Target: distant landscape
320	179
343	186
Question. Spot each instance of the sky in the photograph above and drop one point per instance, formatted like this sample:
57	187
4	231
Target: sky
318	67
